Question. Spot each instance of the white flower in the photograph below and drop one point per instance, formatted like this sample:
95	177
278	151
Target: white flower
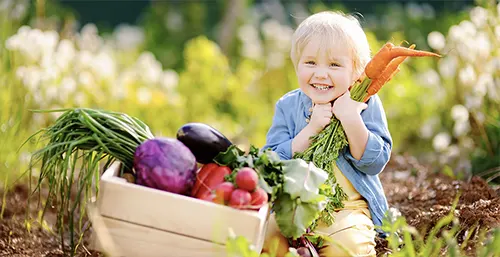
460	128
103	65
429	78
429	12
467	75
459	113
468	28
30	76
248	32
150	69
173	20
51	92
484	82
467	50
473	102
482	45
436	40
128	37
80	99
479	16
252	50
493	90
89	38
282	43
86	79
50	39
271	28
64	54
390	21
275	60
84	60
144	95
170	79
453	151
456	34
427	129
493	65
5	5
441	141
68	85
19	10
414	11
448	66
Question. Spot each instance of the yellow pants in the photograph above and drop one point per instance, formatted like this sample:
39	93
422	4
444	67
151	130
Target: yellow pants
352	234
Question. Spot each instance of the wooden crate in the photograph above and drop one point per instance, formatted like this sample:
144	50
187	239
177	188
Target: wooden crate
139	221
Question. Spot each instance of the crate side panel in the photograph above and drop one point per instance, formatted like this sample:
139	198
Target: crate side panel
133	240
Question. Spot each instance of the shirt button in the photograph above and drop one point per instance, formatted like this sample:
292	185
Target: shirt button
310	109
307	120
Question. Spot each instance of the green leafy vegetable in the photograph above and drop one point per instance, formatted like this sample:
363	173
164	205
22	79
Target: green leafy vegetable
303	180
297	188
294	216
267	163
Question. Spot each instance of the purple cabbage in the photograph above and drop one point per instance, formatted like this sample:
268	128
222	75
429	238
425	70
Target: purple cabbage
165	164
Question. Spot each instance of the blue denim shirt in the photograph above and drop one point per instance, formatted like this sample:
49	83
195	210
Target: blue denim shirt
289	119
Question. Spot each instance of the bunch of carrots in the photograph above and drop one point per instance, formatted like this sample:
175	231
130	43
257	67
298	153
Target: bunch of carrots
326	145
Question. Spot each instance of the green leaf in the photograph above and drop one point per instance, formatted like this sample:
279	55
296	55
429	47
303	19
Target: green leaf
264	185
303	180
239	247
229	157
294	216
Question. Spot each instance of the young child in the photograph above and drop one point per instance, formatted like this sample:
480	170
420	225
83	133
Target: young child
329	52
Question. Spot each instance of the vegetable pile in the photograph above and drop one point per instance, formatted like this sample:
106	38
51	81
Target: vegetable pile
81	139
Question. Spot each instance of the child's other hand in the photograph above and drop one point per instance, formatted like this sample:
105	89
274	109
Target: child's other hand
321	115
344	108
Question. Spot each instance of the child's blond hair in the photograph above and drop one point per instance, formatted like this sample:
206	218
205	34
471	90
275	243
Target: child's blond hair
333	27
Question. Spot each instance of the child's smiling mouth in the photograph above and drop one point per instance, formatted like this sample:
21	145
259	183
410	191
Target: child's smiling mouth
321	87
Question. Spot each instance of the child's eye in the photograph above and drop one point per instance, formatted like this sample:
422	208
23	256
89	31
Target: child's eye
333	64
310	62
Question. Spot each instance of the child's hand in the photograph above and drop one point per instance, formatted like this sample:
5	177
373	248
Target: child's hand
321	115
344	108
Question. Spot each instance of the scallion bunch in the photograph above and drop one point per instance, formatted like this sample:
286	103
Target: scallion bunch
76	144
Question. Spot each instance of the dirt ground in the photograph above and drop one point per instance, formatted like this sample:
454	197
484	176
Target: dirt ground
421	196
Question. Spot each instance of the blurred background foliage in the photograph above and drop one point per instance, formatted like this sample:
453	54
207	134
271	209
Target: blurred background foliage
225	63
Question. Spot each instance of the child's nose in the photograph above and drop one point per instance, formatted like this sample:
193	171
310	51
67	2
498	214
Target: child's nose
321	74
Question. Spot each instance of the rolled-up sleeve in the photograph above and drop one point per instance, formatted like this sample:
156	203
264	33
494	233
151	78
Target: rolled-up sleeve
379	146
278	137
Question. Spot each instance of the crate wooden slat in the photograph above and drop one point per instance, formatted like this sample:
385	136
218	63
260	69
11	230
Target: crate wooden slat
159	219
136	240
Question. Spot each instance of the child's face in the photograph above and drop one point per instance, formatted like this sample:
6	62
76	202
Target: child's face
325	75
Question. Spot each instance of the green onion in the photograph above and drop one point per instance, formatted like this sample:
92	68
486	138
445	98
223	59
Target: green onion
77	143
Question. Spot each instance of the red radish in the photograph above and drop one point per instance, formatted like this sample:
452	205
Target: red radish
247	179
224	190
240	199
259	197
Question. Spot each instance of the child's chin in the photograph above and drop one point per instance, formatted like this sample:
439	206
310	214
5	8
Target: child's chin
322	99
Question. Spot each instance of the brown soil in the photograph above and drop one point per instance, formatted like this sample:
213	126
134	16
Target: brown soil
421	196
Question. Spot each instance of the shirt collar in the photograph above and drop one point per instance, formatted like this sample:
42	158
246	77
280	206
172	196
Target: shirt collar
307	102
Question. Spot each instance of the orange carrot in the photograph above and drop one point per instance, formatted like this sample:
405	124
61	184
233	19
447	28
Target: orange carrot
386	54
388	73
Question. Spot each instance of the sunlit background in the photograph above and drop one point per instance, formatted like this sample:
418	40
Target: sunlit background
225	63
